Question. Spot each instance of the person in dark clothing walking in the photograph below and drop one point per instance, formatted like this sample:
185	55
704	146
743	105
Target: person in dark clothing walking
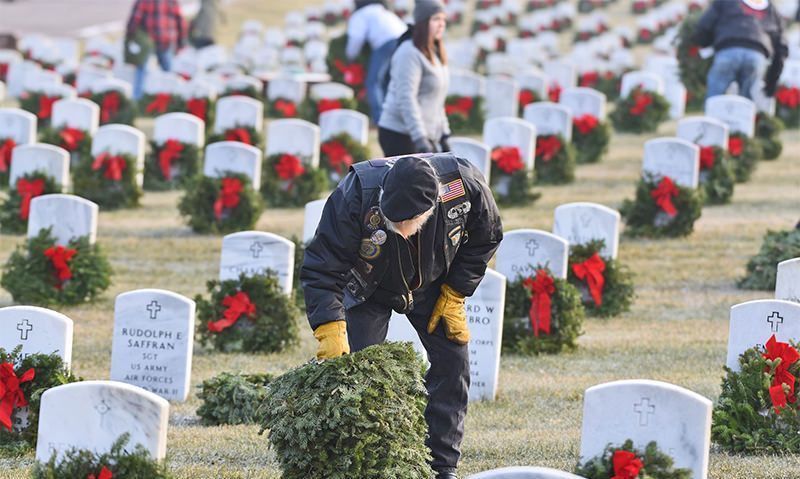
747	36
413	235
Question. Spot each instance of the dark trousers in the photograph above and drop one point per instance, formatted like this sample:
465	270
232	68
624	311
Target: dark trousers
394	143
447	380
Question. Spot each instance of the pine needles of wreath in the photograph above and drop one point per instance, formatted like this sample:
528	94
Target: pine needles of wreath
232	399
197	205
590	147
93	184
296	192
744	156
618	290
11	222
768	134
558	169
656	464
718	181
186	166
761	269
641	214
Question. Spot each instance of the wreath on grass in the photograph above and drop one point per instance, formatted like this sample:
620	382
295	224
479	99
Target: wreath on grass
511	179
221	205
241	133
16	208
693	68
108	180
7	146
31	375
338	153
762	268
249	314
757	411
115	107
716	175
249	91
590	138
662	209
313	108
542	314
159	104
40	104
352	74
525	98
41	273
640	112
121	461
627	462
555	160
787	102
76	141
282	108
465	114
607	83
170	165
744	154
202	108
287	181
768	134
606	286
231	399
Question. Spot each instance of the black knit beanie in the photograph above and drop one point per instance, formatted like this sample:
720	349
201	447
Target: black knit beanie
425	9
410	188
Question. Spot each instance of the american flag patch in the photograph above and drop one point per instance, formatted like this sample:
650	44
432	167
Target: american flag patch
451	191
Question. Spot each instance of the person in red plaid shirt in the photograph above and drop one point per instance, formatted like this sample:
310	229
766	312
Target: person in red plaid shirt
164	23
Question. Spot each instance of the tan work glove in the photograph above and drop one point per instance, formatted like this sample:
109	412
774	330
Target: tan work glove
332	339
450	307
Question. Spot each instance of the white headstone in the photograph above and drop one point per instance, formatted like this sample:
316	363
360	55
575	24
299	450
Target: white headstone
676	95
37	330
121	140
92	415
534	81
311	216
18	125
466	83
235	157
645	411
752	323
737	112
69	217
787	285
48	159
485	310
256	252
401	330
238	111
182	127
521	472
549	119
243	82
296	137
336	122
502	98
704	131
79	113
330	91
499	132
560	74
673	157
523	251
584	101
791	73
473	151
647	81
580	223
287	89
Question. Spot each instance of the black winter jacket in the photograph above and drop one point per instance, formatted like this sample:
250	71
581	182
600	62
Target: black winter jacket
731	23
344	266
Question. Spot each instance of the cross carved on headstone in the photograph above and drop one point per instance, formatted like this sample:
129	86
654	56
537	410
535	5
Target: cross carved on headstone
644	409
102	408
532	246
153	308
775	320
256	248
24	328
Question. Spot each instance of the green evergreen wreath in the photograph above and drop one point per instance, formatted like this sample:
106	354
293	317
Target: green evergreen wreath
591	146
297	289
255	137
787	105
31	102
354	149
693	68
249	91
283	108
271	328
719	180
606	82
465	114
768	134
517	180
82	148
171	103
556	166
91	180
566	316
202	192
351	74
618	290
122	461
125	112
185	165
10	220
744	154
655	464
232	399
293	192
640	112
49	372
762	268
645	218
310	108
31	278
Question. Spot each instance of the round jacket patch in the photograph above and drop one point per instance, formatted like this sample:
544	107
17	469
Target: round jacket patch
369	250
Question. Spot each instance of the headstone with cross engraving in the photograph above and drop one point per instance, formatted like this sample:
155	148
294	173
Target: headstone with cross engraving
523	472
584	101
49	160
473	151
311	216
644	411
704	131
255	252
485	310
523	251
549	119
295	137
502	98
234	157
580	223
754	322
678	159
153	340
92	415
787	285
67	216
238	111
737	112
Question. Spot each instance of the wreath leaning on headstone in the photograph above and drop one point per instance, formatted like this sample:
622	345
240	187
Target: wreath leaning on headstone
159	104
716	175
202	108
15	210
249	314
40	104
542	314
312	107
7	146
170	165
662	209
526	97
606	82
693	67
249	91
31	375
352	74
605	285
757	411
221	205
287	181
761	269
787	105
76	141
109	180
232	398
243	134
768	134
627	462
511	179
464	114
338	153
115	107
590	138
744	154
41	273
641	111
554	160
282	108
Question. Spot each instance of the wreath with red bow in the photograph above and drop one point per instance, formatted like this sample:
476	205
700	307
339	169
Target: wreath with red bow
465	114
744	154
543	314
716	175
287	181
40	104
338	153
248	314
768	135
282	108
555	160
23	380
108	179
590	138
627	462
526	97
352	74
221	205
41	273
693	68
312	107
243	134
787	103
159	104
76	141
16	208
511	179
202	108
642	111
533	5
115	107
640	7
7	146
605	285
757	411
662	209
776	246
170	165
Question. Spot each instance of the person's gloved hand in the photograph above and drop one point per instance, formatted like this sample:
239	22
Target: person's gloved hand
424	145
444	142
332	339
450	308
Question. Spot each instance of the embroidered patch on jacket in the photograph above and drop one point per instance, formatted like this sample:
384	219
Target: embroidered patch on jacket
369	250
452	190
455	235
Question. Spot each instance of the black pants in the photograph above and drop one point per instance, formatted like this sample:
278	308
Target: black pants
394	143
447	380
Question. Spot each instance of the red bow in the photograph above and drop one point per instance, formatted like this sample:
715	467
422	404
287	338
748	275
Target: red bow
286	108
663	194
289	167
114	165
461	106
526	97
542	288
788	356
240	135
508	159
554	93
694	51
228	196
353	74
6	148
642	100
547	147
27	191
626	465
645	34
11	396
60	257
159	104
110	106
338	156
237	304
46	106
105	473
585	124
735	145
591	271
788	96
326	104
169	152
707	157
589	79
197	107
70	137
3	71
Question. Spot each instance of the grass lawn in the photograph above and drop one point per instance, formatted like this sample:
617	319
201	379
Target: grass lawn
676	331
